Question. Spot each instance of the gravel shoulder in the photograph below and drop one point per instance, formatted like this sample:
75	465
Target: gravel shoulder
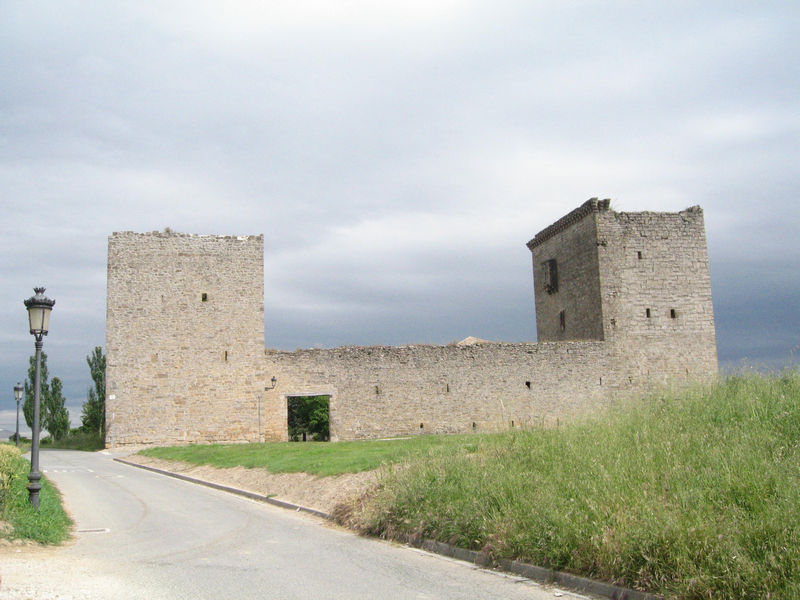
321	493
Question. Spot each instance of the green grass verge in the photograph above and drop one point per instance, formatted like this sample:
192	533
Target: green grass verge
316	458
689	496
47	525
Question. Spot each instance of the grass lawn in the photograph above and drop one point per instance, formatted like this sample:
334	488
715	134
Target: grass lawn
316	458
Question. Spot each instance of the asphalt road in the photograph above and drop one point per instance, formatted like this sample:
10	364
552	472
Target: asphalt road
142	535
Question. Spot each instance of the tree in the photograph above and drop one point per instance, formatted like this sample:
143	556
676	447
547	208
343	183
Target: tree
93	412
27	405
308	417
55	416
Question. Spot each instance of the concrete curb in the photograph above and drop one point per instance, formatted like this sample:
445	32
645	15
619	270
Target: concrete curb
540	574
230	490
481	559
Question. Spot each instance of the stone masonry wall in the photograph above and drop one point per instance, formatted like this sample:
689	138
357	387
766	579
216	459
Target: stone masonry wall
638	279
656	290
384	391
186	361
572	243
611	268
184	339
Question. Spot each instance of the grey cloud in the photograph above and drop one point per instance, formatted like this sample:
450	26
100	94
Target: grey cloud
395	161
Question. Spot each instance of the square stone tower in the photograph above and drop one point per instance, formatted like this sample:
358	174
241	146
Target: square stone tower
638	280
185	339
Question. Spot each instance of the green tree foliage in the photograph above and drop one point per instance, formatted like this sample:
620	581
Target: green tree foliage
27	405
93	412
53	414
308	415
55	417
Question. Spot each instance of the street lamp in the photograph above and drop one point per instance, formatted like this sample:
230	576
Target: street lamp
39	307
18	396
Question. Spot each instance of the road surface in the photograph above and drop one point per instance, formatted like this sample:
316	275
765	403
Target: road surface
142	535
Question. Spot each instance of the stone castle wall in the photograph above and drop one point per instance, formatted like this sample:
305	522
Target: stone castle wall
186	359
656	289
640	281
572	242
383	391
184	339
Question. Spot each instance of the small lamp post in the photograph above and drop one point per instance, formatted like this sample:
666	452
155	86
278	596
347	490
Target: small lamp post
18	396
39	307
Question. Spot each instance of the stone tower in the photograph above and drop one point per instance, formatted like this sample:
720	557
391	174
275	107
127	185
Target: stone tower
185	339
638	280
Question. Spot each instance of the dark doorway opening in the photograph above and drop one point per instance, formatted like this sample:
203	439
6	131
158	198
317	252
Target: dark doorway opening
309	418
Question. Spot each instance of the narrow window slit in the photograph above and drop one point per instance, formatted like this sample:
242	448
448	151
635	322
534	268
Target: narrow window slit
550	272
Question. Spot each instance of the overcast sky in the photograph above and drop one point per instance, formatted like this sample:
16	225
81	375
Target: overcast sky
396	156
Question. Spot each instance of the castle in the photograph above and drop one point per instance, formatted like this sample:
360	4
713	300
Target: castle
623	302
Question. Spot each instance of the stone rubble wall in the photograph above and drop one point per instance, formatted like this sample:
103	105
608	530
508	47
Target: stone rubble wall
385	391
186	361
574	245
656	264
181	368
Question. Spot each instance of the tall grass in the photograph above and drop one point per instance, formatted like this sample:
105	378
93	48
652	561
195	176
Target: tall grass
47	525
694	495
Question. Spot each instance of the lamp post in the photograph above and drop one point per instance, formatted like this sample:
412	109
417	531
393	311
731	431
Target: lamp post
39	307
18	396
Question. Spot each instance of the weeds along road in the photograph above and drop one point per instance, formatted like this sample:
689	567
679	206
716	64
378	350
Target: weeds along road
143	535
